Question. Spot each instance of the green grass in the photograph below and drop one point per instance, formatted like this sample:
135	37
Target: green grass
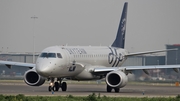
91	97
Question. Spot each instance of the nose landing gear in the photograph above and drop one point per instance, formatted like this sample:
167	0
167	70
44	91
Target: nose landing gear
54	86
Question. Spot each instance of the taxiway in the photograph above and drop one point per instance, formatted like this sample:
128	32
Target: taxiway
131	90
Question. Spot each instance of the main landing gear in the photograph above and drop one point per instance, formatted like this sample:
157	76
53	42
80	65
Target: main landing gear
54	86
109	89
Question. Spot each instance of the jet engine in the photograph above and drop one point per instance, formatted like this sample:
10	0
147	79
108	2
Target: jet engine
32	78
116	79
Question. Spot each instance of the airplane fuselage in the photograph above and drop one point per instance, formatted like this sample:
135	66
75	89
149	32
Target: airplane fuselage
77	62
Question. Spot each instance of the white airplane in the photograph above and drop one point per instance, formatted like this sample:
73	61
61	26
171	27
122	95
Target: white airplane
85	63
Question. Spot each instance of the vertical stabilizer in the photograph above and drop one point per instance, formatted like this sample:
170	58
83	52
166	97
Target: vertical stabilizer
120	37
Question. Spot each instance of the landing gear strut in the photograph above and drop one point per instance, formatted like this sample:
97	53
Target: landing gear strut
54	86
51	85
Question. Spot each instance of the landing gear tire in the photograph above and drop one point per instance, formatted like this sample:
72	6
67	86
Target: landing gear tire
108	88
64	86
56	86
116	90
49	88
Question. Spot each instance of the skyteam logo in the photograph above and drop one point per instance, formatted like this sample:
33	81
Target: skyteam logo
123	26
114	58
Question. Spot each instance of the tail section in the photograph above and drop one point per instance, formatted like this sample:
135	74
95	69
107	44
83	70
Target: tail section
120	37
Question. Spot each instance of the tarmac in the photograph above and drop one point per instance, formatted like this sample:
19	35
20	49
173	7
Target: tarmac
130	90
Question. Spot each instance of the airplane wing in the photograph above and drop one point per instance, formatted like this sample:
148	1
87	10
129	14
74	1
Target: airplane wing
149	52
105	70
9	64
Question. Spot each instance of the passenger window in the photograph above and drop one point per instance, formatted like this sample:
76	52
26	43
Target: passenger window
51	55
59	55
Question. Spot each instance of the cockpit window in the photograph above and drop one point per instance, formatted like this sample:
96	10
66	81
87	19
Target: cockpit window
48	55
43	55
51	55
59	55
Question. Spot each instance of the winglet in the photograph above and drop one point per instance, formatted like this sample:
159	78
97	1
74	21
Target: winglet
120	37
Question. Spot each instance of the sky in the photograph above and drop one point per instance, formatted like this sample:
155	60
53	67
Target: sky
151	24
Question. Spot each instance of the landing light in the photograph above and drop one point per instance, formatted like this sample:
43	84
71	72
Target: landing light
51	84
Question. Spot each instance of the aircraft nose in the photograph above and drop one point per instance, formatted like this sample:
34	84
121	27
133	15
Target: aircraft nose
42	69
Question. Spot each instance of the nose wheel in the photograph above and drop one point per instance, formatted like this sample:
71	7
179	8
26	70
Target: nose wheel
50	88
54	86
64	86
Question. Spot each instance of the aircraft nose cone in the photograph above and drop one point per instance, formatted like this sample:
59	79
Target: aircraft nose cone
42	70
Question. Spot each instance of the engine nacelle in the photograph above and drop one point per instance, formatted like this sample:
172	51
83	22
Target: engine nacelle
116	79
32	78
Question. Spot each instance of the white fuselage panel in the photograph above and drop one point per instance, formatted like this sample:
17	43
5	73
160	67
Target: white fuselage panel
75	60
